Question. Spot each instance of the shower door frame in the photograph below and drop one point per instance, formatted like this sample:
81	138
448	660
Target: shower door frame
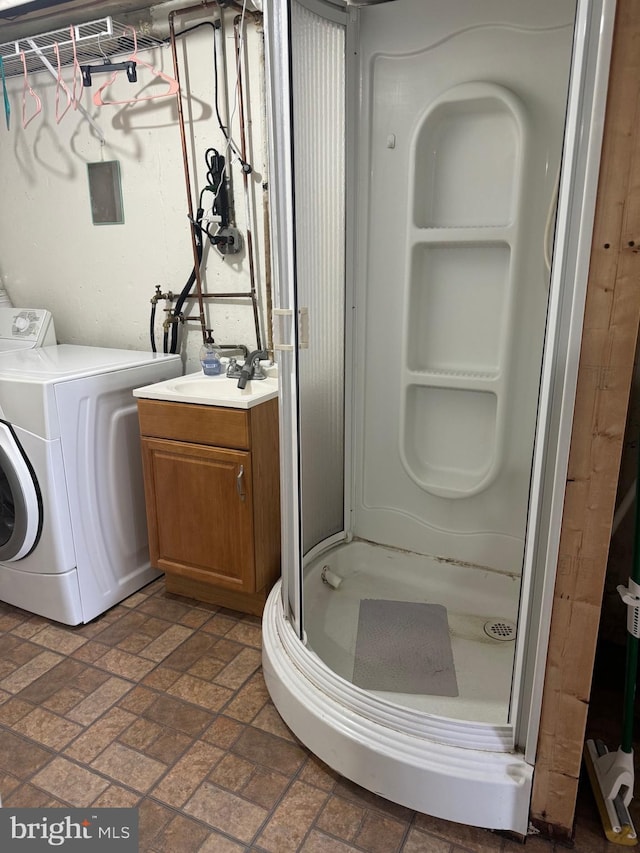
287	308
586	104
283	263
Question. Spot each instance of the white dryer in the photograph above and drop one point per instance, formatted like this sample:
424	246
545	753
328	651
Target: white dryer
73	535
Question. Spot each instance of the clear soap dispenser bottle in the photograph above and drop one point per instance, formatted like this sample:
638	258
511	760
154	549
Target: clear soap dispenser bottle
209	358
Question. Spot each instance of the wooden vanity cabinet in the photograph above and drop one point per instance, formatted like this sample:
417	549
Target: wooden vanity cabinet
211	480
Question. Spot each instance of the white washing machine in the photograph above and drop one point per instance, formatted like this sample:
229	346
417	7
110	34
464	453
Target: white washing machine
73	533
25	328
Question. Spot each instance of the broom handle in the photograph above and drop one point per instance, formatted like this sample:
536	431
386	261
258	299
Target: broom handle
626	744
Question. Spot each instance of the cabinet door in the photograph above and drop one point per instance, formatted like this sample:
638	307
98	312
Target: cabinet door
200	512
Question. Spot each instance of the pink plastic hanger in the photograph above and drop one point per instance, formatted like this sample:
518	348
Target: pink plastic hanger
27	88
173	89
72	96
77	72
60	84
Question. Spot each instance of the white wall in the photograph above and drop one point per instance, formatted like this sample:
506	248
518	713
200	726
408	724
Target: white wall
98	280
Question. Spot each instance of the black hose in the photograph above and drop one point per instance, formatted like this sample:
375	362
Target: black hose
152	331
184	293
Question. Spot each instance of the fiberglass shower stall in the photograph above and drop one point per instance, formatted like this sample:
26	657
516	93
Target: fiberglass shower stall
433	176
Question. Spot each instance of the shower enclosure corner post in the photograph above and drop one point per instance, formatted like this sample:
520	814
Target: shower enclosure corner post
575	217
352	109
280	159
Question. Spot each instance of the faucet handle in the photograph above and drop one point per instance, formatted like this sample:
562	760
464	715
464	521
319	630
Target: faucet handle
257	370
252	368
233	370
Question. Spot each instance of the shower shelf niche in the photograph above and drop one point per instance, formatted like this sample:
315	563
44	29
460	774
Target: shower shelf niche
471	125
466	173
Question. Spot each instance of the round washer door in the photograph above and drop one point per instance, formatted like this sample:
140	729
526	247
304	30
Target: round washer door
20	504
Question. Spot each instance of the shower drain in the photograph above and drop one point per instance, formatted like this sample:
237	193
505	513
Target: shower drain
500	629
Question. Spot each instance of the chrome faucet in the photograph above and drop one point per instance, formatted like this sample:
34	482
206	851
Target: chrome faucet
252	368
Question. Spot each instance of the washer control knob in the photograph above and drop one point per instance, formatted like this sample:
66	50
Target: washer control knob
21	323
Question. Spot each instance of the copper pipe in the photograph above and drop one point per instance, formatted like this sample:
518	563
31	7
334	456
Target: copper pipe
244	295
221	4
185	162
245	177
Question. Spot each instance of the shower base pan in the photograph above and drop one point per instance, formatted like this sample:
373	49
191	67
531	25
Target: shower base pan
451	769
470	597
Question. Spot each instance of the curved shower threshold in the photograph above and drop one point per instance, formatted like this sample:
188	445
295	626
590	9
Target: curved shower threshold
458	771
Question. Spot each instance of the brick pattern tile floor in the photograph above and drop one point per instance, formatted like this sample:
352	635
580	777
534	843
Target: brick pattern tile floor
160	704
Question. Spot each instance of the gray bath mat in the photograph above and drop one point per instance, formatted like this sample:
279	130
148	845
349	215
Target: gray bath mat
404	647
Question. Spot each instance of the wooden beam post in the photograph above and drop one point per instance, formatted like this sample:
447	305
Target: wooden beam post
604	380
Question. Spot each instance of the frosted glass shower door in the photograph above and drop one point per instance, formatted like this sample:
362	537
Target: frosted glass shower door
306	59
318	88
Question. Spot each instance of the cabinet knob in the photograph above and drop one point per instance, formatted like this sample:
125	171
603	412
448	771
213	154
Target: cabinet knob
240	484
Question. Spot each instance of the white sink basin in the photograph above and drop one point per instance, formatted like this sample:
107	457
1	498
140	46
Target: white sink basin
211	391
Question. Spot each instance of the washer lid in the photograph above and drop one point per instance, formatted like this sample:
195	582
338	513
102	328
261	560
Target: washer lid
49	364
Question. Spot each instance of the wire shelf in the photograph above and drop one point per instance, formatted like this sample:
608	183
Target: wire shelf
95	41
